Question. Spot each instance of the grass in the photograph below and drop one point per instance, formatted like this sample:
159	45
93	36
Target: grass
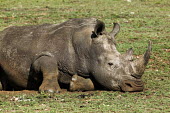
140	20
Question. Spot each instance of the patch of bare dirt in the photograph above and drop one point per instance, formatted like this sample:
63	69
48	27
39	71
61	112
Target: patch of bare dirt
27	92
18	92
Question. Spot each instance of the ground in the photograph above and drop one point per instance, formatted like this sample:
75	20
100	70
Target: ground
140	20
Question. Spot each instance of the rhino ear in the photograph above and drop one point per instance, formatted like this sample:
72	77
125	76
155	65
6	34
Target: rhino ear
116	29
99	28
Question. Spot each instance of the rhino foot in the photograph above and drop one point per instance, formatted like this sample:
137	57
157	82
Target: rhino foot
47	89
50	84
81	84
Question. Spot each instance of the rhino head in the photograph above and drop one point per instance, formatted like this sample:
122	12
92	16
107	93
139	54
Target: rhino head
111	69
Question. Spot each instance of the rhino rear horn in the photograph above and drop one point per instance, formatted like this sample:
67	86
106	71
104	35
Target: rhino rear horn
115	31
129	54
99	28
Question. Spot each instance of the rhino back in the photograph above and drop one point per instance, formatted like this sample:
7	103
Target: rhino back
21	46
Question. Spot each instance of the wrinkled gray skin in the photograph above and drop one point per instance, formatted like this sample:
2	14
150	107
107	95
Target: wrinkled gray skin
39	57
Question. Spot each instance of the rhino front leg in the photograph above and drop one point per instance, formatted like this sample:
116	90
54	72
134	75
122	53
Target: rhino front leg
49	69
1	88
79	83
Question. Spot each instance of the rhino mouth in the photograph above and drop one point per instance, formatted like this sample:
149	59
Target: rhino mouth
132	85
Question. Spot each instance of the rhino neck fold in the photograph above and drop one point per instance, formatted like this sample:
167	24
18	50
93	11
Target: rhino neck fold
82	65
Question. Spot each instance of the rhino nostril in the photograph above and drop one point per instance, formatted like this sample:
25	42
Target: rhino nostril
110	63
128	84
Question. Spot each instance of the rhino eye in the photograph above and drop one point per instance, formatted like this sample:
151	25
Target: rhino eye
110	64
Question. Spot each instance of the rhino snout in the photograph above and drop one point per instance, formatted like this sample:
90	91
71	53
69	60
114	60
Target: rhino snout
132	85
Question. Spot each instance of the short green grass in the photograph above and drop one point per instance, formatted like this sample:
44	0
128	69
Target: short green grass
140	20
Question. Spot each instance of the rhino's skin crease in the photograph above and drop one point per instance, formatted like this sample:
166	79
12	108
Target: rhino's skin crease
42	57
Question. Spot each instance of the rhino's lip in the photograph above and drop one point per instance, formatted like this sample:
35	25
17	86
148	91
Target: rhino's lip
132	85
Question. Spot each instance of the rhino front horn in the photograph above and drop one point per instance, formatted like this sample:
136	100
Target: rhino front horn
148	53
143	61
